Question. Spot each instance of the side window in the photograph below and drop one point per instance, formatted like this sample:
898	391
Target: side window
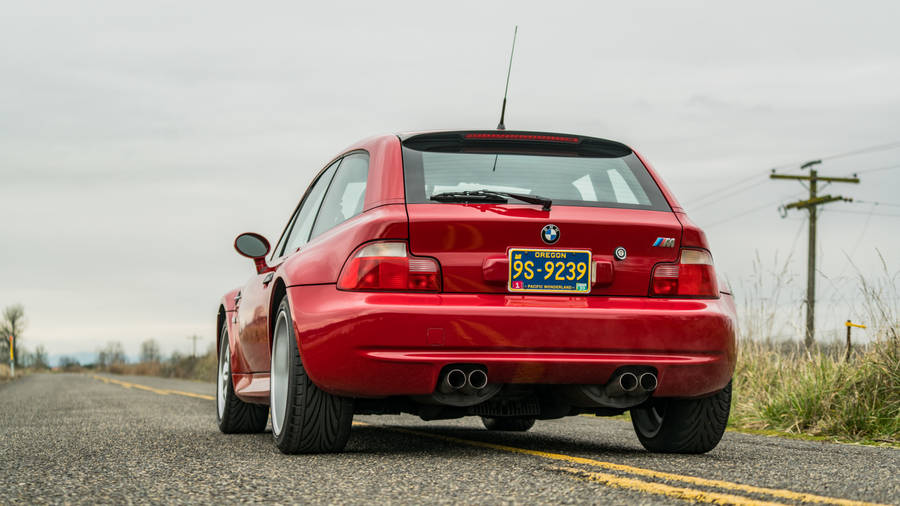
346	195
298	235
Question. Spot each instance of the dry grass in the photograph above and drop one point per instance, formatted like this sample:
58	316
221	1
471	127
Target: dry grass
783	386
818	392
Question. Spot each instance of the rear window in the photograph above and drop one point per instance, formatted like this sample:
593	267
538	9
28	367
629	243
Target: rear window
620	182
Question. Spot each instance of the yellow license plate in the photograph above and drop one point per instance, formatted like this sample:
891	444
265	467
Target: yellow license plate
549	270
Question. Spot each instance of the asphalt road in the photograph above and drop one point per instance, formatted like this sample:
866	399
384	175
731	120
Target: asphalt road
91	439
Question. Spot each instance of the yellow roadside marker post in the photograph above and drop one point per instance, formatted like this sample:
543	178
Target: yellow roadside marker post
850	325
12	358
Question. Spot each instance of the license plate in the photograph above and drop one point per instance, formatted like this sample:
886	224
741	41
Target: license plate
549	270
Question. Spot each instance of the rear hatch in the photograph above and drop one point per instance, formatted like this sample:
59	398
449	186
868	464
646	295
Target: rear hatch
603	199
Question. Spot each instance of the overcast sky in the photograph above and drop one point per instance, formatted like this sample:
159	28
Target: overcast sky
136	140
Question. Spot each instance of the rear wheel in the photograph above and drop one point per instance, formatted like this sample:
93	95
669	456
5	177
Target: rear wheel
305	419
232	414
508	423
683	425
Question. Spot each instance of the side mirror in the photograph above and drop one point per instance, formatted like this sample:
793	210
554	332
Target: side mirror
253	246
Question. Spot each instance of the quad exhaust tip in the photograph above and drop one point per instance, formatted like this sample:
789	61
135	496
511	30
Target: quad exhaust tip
628	382
478	379
648	382
625	383
455	379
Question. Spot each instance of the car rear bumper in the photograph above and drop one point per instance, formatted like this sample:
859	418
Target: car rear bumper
381	344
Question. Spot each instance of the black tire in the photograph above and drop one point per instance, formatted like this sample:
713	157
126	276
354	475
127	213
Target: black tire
314	421
683	425
235	416
508	423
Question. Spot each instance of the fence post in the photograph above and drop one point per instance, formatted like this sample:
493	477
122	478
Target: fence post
847	356
850	325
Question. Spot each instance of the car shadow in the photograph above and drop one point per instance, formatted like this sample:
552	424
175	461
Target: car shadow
401	439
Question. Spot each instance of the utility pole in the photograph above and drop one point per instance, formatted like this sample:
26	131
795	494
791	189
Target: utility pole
194	338
810	205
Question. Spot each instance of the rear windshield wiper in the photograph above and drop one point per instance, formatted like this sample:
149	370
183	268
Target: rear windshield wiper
490	196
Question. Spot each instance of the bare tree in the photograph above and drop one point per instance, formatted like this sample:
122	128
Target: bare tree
150	351
111	354
68	363
13	324
39	358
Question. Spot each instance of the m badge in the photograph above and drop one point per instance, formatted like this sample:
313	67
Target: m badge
664	242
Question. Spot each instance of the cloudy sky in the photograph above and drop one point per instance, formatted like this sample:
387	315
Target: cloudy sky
137	140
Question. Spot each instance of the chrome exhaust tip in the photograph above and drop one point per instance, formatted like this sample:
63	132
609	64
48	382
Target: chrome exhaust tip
648	382
454	380
625	383
628	381
478	379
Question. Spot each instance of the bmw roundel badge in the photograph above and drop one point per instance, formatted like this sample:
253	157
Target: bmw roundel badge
550	234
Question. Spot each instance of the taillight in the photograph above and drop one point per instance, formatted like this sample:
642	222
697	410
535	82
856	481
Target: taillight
693	276
388	266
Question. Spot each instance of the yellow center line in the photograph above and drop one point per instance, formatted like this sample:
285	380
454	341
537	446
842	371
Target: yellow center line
609	479
688	494
160	391
650	473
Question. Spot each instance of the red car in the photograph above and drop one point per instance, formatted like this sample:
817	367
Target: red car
515	276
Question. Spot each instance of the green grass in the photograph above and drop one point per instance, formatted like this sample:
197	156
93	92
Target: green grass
807	437
819	393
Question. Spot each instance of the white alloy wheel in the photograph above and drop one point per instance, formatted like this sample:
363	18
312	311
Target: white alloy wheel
234	416
280	372
224	378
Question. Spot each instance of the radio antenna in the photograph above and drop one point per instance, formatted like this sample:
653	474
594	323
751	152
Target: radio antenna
502	126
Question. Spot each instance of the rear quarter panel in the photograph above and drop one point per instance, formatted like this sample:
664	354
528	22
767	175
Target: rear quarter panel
321	260
384	217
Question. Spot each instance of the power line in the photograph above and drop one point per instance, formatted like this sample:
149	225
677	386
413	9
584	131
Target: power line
797	165
857	242
876	203
863	212
728	194
861	234
717	196
737	215
744	213
715	192
870	149
876	169
855	152
797	237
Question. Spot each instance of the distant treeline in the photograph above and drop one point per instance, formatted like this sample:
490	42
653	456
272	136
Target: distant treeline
112	358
